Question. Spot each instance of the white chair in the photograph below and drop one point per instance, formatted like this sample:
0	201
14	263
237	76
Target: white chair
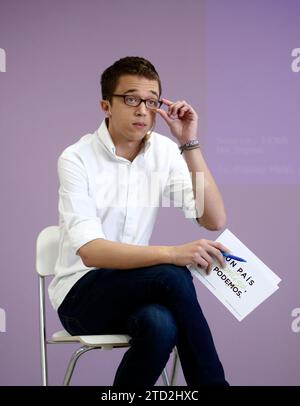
46	255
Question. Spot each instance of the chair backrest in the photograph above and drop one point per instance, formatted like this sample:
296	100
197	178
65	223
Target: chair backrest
47	250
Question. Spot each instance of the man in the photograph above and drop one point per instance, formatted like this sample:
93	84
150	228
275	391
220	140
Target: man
108	279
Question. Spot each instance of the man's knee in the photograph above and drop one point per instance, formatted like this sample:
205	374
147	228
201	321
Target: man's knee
178	277
157	323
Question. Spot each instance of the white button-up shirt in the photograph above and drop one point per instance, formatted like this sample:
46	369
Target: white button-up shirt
103	195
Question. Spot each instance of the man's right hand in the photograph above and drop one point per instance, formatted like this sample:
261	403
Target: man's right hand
200	252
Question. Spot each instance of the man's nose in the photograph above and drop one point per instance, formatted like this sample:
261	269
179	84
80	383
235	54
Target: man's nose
142	109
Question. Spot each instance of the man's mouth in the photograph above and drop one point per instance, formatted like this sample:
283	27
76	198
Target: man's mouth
140	125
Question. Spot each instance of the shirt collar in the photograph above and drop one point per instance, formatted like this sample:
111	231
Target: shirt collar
105	138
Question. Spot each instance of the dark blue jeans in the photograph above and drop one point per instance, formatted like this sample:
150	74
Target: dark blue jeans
158	307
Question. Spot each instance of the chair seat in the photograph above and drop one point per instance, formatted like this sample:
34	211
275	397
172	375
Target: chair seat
107	340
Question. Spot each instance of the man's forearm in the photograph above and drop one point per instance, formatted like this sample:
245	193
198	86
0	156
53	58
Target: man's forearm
214	215
103	253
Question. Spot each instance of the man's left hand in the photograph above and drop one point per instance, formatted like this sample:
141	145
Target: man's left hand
182	120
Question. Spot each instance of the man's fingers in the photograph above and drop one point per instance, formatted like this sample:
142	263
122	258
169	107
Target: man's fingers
220	246
174	106
177	107
167	102
205	258
202	263
164	115
215	252
183	110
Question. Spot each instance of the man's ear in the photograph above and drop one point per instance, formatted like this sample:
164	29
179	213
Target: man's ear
105	105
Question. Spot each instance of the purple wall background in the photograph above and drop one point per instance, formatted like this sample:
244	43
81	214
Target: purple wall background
231	60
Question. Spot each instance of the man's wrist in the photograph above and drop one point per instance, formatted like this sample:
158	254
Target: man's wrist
166	254
185	140
189	145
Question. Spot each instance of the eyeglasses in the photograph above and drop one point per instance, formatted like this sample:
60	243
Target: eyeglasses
135	101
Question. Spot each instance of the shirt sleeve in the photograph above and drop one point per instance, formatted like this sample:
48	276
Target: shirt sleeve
179	188
77	209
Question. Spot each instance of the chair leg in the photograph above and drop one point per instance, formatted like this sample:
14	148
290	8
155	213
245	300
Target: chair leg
80	351
43	339
44	365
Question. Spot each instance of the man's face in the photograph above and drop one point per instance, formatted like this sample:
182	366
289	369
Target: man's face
127	121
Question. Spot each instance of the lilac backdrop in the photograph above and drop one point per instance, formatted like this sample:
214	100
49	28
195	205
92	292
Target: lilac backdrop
232	61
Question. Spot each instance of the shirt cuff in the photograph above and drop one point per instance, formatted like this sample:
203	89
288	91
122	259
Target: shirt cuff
84	232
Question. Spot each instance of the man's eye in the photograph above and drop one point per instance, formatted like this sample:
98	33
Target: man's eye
131	99
152	102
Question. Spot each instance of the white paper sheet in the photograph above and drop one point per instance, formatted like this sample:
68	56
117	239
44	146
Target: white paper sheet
240	286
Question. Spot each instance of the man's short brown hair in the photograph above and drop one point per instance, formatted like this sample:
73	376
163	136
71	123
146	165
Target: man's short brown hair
130	65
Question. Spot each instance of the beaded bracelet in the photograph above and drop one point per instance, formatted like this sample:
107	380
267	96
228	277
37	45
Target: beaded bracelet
189	145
